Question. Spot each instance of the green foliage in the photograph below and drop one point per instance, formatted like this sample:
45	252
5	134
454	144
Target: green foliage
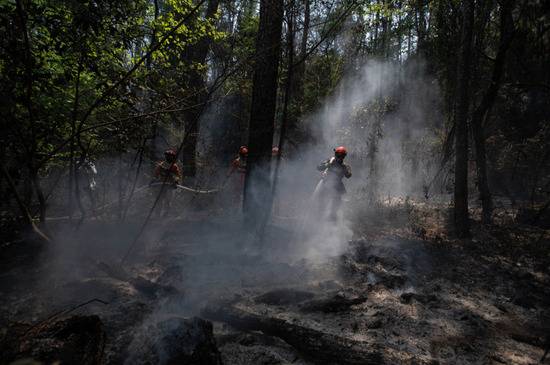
322	75
189	33
85	46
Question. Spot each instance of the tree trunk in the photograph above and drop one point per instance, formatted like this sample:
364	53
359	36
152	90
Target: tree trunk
481	112
284	120
24	210
301	68
461	221
386	26
420	20
262	114
196	87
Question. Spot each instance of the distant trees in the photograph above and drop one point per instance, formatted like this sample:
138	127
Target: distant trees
488	98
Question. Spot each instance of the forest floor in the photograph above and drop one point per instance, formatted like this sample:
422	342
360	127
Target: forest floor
401	291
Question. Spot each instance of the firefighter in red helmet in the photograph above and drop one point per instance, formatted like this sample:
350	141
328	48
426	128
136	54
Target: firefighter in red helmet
167	172
238	165
333	171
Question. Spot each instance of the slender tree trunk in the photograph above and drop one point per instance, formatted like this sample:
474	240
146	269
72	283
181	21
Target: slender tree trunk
148	98
24	210
461	219
372	160
29	77
196	86
409	43
375	40
73	172
284	117
262	115
399	38
481	112
35	180
301	68
420	25
386	26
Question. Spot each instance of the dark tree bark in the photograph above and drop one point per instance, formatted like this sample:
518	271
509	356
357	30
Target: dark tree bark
461	221
386	27
301	68
420	23
480	113
262	114
28	99
284	119
24	210
196	87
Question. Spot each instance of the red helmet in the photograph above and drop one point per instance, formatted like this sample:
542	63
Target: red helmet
170	152
243	151
170	155
275	151
340	151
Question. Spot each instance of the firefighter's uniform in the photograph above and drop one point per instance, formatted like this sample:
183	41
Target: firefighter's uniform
169	174
334	170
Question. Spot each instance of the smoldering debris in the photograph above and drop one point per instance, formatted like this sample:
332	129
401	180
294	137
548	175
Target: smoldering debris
381	299
73	340
284	296
339	302
175	341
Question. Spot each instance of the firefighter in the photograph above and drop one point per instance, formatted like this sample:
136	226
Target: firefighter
333	171
274	160
88	175
167	172
238	165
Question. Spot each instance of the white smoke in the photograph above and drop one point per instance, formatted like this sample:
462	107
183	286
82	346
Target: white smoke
387	115
393	106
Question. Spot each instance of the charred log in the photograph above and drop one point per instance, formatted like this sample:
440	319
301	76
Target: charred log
284	297
321	347
337	303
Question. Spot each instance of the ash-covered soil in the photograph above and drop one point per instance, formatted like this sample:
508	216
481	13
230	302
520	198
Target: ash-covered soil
399	297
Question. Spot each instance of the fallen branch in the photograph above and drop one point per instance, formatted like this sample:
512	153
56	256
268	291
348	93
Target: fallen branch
185	188
64	311
140	283
319	346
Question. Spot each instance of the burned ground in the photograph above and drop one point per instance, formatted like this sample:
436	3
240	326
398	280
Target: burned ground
401	294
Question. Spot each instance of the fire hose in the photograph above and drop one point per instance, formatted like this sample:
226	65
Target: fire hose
178	186
185	188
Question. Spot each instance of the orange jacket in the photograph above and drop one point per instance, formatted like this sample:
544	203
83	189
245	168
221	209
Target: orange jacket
238	164
165	171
